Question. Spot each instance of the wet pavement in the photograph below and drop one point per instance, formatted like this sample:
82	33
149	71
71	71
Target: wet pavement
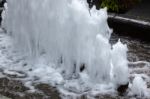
138	56
140	11
139	51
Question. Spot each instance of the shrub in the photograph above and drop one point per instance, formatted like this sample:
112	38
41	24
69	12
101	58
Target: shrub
110	4
118	5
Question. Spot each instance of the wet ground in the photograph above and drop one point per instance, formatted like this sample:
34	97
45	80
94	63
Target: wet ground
138	51
140	11
138	56
16	90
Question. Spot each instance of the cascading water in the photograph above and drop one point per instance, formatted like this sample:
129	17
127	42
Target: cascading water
69	36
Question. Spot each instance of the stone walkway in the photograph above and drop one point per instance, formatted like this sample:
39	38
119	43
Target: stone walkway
139	12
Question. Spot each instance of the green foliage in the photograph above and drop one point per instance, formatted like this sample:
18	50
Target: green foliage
110	4
117	5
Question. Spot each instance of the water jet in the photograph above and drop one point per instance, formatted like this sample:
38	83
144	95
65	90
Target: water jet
66	46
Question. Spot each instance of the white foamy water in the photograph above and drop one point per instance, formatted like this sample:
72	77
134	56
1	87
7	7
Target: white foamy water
56	38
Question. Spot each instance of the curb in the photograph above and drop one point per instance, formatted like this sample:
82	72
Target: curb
131	27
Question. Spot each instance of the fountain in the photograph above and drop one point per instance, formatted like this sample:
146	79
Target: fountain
65	34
